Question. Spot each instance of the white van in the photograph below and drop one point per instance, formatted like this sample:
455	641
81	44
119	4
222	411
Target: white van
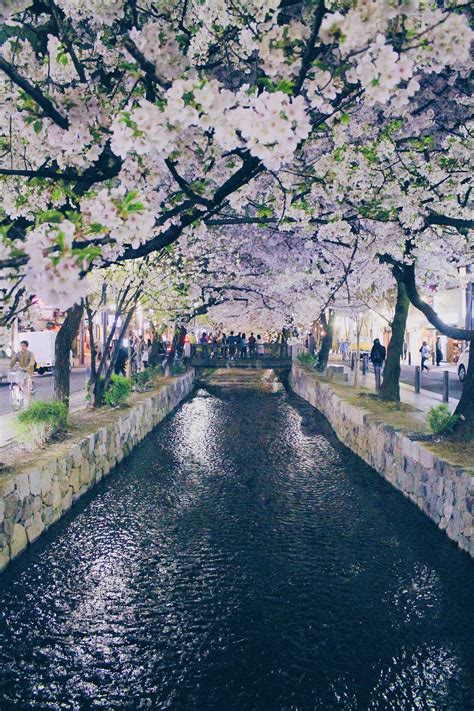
462	364
41	344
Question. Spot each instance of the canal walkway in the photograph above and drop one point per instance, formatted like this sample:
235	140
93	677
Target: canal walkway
422	401
240	558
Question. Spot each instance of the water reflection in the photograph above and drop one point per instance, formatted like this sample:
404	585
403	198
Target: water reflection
240	559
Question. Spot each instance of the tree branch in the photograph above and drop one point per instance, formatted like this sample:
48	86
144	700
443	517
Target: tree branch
45	103
434	219
415	298
147	66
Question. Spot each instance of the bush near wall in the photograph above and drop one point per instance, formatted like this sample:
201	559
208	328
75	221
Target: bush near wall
41	421
118	391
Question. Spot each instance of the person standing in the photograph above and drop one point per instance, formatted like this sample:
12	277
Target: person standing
120	367
192	343
344	348
425	354
145	355
223	344
203	342
377	356
26	364
214	346
260	347
243	346
231	342
439	352
252	345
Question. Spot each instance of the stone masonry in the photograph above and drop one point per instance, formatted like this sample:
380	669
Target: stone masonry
443	491
33	500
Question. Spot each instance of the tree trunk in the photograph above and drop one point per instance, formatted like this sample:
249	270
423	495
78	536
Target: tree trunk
357	354
326	343
465	428
465	408
102	382
66	335
390	389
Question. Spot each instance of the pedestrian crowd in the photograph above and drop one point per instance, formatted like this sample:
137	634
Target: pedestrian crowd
138	349
233	346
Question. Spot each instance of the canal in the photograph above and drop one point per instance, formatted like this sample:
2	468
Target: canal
240	559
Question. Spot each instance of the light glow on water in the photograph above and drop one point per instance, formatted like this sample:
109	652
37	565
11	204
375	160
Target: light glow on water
241	559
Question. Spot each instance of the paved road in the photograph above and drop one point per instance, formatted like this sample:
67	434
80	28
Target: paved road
44	388
432	380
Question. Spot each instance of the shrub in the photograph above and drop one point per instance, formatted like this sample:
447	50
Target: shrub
307	359
143	378
41	421
118	391
177	368
441	420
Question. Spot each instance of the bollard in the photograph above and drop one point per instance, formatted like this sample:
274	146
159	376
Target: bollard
417	378
446	386
364	364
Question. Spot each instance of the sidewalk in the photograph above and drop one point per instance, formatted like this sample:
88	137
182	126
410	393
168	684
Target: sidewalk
7	422
422	400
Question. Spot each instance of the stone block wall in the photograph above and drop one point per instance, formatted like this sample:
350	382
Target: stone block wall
443	491
32	500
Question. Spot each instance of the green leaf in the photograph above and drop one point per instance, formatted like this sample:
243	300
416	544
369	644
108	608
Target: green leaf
53	216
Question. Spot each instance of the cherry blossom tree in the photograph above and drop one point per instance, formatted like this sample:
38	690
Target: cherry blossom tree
127	124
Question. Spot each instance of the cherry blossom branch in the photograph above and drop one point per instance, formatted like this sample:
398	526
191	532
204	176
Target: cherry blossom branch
48	173
45	103
67	42
309	54
184	185
415	298
460	223
147	66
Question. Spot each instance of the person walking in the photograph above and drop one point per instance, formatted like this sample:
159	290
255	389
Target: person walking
377	356
439	352
26	364
243	346
425	354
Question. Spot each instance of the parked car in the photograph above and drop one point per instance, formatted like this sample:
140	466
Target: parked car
462	364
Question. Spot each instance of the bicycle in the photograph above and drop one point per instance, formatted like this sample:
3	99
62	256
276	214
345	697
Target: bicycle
17	379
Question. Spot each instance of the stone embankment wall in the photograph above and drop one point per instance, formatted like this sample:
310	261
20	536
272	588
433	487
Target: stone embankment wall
32	500
443	491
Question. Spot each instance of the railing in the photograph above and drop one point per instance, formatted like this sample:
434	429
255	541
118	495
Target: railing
211	351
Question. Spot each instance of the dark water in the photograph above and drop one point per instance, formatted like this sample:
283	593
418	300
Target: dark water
240	559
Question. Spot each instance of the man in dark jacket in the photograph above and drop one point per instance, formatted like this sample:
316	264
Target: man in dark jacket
378	355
